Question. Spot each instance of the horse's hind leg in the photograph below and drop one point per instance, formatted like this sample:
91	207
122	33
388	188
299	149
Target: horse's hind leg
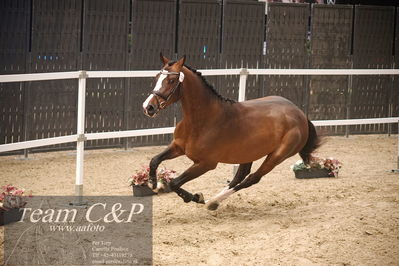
271	161
284	151
242	172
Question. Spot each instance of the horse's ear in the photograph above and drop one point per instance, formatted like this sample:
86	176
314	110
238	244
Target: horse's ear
164	60
180	62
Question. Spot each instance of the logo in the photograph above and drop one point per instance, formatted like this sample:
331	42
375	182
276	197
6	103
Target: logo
109	230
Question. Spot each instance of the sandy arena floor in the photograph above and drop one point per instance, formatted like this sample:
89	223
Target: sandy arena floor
349	220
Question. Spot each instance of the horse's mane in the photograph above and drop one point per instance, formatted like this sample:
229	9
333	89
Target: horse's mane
206	83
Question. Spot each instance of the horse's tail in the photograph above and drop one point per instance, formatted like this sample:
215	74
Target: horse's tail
313	142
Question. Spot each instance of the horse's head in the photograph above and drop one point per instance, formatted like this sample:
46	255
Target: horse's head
166	90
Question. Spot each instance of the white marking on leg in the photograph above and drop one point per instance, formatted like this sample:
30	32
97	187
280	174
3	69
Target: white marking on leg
224	194
221	192
160	186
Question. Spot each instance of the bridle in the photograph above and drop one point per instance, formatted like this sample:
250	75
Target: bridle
165	99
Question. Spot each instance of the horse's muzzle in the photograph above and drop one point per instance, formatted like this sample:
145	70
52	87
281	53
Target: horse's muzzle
150	110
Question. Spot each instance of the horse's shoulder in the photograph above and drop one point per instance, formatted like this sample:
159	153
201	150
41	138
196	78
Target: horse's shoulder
179	129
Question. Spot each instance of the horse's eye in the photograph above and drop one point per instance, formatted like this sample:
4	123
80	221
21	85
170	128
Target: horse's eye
171	81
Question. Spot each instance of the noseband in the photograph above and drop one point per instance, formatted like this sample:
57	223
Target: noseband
165	99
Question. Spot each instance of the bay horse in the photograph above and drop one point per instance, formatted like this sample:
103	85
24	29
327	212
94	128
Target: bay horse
218	130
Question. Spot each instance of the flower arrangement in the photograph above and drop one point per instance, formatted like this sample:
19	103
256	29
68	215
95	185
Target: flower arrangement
142	176
165	175
12	197
330	164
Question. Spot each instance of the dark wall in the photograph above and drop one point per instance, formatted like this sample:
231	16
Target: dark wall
331	44
69	35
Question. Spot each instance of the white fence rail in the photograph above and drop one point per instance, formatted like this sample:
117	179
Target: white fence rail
80	137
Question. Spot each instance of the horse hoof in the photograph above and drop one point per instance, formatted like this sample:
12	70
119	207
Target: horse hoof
200	198
187	200
152	186
212	205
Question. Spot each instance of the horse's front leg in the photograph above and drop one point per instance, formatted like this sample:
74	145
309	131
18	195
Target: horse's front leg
171	152
191	173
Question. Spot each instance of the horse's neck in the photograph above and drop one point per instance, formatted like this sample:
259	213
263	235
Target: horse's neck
198	103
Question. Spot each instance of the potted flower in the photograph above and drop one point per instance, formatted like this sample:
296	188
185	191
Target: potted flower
139	181
12	200
317	167
164	177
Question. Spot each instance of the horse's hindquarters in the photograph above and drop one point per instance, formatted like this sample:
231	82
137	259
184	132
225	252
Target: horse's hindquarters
258	128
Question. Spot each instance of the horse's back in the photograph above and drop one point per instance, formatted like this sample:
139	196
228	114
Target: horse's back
270	100
275	107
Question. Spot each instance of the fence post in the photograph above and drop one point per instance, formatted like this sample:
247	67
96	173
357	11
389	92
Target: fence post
391	104
241	97
27	101
243	83
27	123
81	138
349	103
